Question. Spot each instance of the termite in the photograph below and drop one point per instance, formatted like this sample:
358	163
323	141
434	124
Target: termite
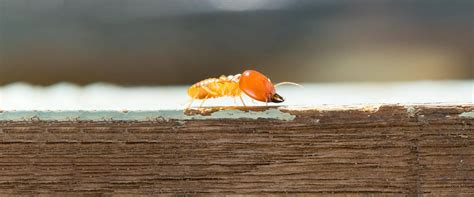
253	83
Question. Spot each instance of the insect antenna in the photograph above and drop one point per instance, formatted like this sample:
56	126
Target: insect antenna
288	83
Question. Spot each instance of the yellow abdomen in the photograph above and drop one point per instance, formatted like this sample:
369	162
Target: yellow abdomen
215	87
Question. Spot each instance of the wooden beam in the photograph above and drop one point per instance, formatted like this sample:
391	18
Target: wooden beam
344	150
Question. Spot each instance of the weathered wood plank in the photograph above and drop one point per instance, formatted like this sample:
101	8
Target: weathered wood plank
363	150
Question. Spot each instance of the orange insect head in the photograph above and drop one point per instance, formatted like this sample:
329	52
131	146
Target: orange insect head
259	87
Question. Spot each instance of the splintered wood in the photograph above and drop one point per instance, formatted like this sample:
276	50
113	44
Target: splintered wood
388	149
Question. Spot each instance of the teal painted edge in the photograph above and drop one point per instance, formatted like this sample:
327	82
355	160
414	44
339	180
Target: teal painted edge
139	115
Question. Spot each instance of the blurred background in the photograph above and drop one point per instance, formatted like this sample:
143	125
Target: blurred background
176	42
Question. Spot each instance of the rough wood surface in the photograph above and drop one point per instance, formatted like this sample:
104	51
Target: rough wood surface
388	150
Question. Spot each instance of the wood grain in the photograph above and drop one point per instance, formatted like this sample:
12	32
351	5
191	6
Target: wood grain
392	150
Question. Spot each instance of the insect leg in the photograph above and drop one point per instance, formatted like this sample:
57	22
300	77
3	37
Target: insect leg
190	103
202	102
240	96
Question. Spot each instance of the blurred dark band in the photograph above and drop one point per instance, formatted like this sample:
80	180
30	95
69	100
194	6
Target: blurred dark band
143	42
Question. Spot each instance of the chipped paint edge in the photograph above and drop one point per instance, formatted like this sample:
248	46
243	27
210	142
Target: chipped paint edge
469	114
411	111
280	113
166	115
